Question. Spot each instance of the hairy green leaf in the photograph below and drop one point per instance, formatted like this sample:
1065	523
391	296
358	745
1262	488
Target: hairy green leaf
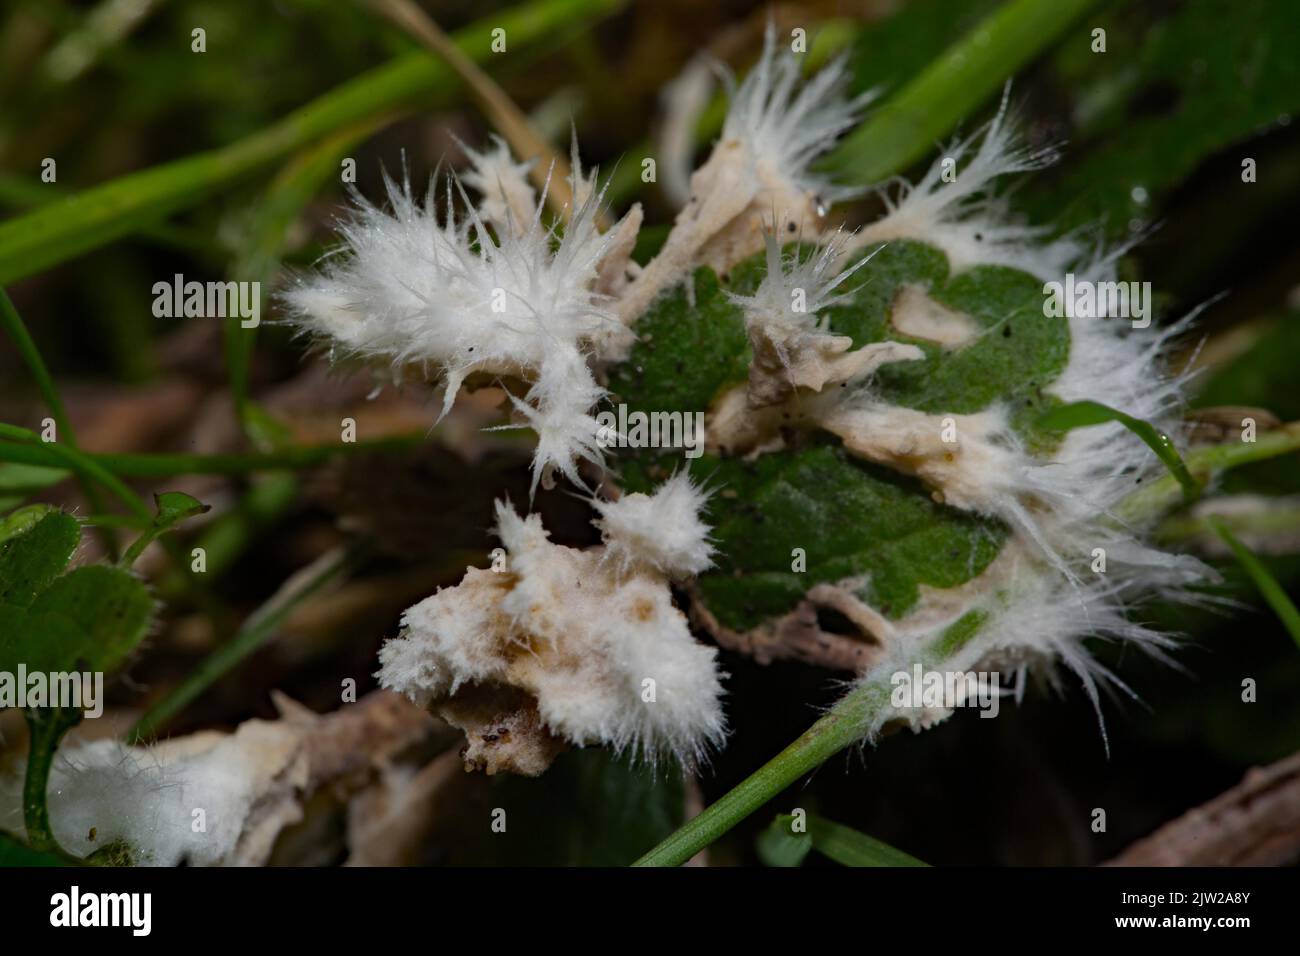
88	619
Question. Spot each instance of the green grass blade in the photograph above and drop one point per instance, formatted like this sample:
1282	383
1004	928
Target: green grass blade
1084	414
782	845
278	208
168	464
260	627
909	124
1269	588
60	231
849	847
16	329
53	453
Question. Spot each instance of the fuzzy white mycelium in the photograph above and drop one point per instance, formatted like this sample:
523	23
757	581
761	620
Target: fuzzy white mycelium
559	646
205	799
597	645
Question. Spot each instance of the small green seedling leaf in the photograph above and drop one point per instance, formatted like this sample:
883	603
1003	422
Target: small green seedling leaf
172	507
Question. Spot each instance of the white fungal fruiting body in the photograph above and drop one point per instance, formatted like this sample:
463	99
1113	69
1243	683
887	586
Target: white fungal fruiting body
954	207
596	643
792	346
206	799
758	176
451	296
509	203
662	532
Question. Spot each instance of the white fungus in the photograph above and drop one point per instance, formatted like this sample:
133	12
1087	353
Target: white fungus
452	296
597	648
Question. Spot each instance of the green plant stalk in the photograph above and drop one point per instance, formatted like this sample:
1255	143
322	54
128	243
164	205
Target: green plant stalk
168	464
276	212
907	126
46	729
261	625
842	726
1205	464
17	330
83	464
1268	586
60	231
1276	519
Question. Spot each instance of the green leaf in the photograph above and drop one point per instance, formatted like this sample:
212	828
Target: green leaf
89	619
780	846
842	844
1171	90
77	224
17	477
1017	350
1269	588
175	506
687	356
852	519
951	87
22	520
30	561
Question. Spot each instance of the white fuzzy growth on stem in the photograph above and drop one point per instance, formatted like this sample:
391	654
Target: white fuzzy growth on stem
591	636
458	298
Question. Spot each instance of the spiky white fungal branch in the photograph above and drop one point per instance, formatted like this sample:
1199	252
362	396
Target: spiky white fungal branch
553	646
957	208
509	204
792	346
759	175
458	298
